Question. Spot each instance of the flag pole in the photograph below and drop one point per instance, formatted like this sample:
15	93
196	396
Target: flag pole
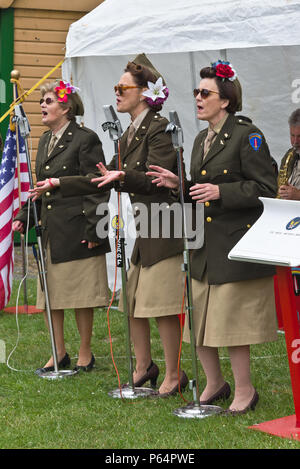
15	76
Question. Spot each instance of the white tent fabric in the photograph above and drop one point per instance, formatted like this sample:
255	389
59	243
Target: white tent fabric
118	27
260	39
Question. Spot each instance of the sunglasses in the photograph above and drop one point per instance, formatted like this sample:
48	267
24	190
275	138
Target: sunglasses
121	88
47	100
204	93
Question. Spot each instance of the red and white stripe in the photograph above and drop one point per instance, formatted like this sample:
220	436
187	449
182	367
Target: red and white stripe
9	207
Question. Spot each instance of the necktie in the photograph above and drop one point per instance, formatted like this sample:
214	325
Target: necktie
208	141
131	133
52	143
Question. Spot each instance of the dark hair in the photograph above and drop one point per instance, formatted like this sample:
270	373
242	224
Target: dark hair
226	88
141	76
74	103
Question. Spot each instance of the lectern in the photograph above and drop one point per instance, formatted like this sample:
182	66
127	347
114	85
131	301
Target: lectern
275	239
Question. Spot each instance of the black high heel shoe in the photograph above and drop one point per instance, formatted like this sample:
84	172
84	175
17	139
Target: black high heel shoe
250	406
182	385
87	367
64	362
222	393
150	375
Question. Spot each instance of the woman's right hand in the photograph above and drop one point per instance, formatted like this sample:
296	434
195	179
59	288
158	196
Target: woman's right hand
163	177
18	226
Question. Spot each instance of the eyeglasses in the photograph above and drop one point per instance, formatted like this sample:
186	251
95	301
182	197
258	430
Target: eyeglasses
204	93
121	88
47	101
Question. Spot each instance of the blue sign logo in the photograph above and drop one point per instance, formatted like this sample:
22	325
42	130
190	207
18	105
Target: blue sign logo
255	141
293	223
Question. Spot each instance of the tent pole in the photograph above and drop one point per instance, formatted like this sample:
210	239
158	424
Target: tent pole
193	75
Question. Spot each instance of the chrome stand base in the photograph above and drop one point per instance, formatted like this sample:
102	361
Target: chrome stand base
197	411
131	393
57	374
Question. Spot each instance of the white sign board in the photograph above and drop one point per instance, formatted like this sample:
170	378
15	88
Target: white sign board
274	238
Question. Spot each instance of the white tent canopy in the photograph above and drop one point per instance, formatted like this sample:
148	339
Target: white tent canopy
162	26
260	39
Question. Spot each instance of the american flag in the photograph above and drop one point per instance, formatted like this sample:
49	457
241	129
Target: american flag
9	206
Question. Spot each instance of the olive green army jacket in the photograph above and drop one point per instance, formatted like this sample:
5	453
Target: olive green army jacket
239	162
150	145
67	221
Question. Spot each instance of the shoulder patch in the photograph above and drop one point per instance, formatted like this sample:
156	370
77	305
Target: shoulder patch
255	140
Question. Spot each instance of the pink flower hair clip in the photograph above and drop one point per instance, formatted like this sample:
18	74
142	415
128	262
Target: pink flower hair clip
63	90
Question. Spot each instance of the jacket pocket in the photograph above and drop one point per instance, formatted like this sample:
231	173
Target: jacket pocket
73	212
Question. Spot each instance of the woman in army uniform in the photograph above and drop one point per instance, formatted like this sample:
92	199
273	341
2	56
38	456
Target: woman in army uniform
75	256
233	301
155	284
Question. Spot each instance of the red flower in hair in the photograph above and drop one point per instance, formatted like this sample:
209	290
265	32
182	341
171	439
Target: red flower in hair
224	71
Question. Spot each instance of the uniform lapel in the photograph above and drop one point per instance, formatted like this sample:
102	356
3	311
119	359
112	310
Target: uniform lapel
221	140
63	142
138	136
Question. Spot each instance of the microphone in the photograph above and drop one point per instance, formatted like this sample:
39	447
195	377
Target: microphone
174	127
112	124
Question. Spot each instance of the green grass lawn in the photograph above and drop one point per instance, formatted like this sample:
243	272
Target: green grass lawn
77	412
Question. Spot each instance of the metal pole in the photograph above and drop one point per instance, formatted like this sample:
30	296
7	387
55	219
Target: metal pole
15	75
129	391
24	128
192	410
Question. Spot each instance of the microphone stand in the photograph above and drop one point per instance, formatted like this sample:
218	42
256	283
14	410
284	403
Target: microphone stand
128	391
193	409
24	128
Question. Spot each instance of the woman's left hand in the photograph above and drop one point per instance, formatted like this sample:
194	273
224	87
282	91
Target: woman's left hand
107	176
204	192
91	244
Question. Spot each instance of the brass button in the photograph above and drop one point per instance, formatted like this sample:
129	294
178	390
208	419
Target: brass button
207	204
132	194
208	219
138	163
248	226
203	172
47	167
49	207
64	167
137	138
225	171
48	194
124	165
83	211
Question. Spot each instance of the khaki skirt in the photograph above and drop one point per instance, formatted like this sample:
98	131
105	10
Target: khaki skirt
155	291
76	284
232	314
